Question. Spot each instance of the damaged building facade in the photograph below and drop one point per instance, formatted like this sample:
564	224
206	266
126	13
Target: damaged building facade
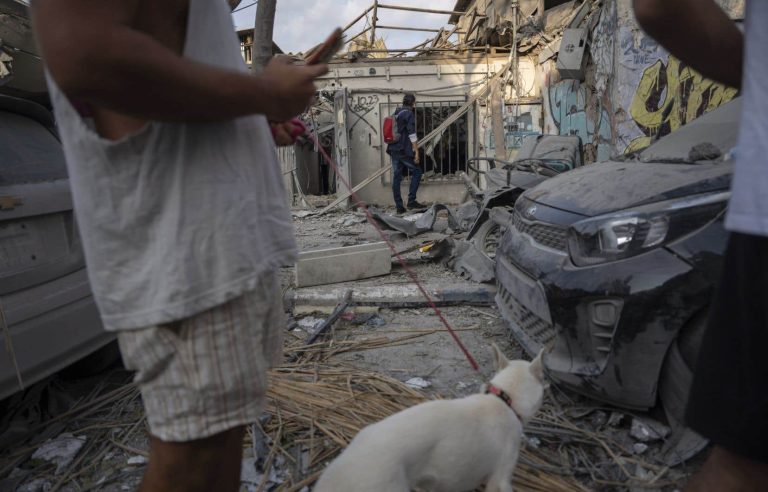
580	67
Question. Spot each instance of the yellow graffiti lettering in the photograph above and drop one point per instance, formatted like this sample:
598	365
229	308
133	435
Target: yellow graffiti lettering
670	96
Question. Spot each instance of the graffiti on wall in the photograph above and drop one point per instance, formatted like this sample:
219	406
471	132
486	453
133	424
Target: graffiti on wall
670	95
656	92
364	103
571	115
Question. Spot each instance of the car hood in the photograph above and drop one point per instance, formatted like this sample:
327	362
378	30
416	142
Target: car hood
612	186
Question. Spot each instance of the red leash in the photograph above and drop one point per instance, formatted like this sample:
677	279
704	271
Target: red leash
405	266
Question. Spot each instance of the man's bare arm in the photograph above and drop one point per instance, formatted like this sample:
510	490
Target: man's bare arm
699	33
95	55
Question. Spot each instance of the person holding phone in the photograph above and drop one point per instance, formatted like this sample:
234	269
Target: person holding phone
405	155
181	209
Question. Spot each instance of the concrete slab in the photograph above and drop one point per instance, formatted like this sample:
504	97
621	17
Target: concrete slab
333	265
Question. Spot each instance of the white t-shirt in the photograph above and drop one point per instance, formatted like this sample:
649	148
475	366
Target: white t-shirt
179	217
748	210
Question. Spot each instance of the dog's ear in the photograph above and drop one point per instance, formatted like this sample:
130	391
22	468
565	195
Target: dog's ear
537	366
500	361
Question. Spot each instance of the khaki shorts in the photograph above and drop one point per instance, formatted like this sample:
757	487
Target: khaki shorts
208	373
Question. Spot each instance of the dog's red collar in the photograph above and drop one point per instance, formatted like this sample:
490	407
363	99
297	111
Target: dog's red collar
503	396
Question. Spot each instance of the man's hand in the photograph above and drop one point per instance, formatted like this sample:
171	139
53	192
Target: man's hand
290	88
416	157
286	133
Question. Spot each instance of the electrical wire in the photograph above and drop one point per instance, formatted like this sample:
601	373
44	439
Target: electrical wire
238	9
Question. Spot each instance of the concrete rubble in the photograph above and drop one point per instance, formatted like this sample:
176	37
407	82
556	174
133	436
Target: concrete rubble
384	333
60	451
347	263
646	430
418	223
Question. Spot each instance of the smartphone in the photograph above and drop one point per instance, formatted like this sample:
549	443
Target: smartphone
330	47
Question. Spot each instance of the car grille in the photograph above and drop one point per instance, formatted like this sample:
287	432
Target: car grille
547	235
533	327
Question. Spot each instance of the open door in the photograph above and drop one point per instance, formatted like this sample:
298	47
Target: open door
342	149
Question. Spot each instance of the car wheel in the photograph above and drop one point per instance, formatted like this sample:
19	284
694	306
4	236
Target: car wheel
488	237
674	385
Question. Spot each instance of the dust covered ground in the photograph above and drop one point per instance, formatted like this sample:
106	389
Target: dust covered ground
74	433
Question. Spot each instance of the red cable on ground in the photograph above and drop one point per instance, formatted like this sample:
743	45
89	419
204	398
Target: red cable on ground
400	259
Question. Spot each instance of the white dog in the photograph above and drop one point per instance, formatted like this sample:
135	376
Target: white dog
448	445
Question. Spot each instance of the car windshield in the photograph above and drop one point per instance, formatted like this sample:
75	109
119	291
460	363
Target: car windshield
28	151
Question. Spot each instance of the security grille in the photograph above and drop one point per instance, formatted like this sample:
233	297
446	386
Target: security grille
446	155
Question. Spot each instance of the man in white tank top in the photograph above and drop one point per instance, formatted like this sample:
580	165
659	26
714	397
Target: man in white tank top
181	209
728	402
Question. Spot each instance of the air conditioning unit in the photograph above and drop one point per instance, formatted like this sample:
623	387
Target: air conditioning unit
572	57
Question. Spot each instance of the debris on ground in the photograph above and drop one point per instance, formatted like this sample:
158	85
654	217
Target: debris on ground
349	220
415	224
309	323
343	264
60	451
465	258
384	352
646	430
327	323
137	460
418	383
302	213
370	320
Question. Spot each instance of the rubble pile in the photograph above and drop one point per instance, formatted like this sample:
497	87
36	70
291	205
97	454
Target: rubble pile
348	364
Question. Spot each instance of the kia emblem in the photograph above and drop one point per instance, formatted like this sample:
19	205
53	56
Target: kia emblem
531	212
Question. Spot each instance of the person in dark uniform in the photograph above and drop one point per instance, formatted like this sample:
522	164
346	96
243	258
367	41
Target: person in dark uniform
405	155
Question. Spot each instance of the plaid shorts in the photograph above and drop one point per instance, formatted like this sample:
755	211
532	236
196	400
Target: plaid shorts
208	373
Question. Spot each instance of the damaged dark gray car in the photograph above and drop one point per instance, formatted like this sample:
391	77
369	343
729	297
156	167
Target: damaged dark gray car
615	264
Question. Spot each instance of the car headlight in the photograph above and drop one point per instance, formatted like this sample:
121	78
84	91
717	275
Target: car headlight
632	232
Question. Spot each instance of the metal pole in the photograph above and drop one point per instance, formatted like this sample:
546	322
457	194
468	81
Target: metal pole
373	22
516	64
357	18
418	29
262	33
352	38
497	120
425	11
